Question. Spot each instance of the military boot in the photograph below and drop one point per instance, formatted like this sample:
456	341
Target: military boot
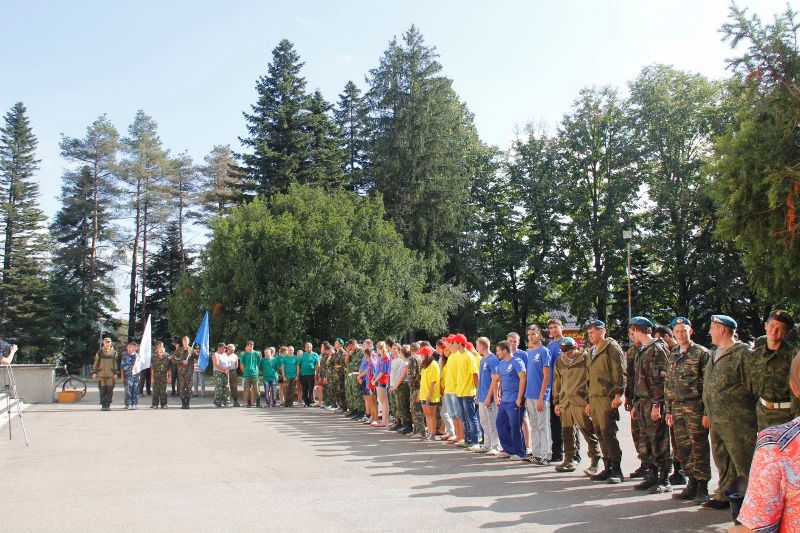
592	470
650	479
702	491
568	465
408	428
677	477
604	474
639	472
689	491
616	473
394	427
662	485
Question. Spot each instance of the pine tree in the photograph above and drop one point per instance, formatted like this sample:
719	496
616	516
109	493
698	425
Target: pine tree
144	172
180	189
324	167
221	185
24	305
83	263
352	117
278	135
167	267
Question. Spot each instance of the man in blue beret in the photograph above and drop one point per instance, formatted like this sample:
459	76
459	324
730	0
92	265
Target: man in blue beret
648	407
766	373
606	383
730	408
683	391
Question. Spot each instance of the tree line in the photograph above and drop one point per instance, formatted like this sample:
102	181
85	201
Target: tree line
385	214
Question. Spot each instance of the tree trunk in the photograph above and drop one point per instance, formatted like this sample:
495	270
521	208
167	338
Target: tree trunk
144	257
7	253
135	264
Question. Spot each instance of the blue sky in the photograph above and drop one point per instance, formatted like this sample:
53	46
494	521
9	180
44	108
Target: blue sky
193	65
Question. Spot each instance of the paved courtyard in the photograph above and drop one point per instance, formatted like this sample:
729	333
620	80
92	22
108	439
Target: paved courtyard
292	470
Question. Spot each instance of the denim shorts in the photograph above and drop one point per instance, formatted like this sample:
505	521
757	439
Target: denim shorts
453	406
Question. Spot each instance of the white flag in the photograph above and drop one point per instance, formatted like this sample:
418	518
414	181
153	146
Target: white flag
145	350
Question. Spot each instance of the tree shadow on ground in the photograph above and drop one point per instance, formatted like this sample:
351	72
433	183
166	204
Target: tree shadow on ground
538	498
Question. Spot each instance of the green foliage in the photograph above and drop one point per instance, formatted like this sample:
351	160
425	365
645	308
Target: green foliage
317	264
221	185
168	265
423	148
758	185
325	155
352	117
24	295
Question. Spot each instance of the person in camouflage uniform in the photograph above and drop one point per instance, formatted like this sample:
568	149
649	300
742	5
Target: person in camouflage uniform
173	367
766	373
630	359
729	408
683	392
649	409
355	401
222	391
401	396
340	372
327	370
106	371
130	378
159	366
184	362
413	375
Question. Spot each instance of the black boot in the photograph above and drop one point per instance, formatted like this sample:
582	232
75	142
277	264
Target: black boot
702	492
639	472
187	402
678	477
662	485
650	479
394	427
408	428
604	474
616	473
689	491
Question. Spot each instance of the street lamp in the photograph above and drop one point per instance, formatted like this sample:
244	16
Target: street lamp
628	235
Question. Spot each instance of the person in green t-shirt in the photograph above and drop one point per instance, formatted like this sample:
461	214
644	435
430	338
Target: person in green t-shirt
249	361
289	364
270	366
309	366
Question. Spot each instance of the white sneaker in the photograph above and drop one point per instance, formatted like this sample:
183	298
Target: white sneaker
493	452
516	458
477	448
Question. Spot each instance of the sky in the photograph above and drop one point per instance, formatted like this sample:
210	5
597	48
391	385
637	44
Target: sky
193	65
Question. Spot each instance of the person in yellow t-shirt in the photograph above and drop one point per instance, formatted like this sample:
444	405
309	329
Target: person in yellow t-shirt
465	368
429	390
455	360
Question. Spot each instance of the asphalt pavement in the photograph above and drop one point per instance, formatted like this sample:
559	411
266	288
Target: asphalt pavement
298	469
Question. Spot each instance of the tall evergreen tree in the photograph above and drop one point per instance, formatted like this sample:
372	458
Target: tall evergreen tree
221	184
324	167
423	148
144	172
180	189
352	117
23	286
83	263
278	135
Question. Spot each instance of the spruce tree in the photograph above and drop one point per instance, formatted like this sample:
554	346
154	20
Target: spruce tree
24	304
324	167
352	117
180	189
168	264
278	134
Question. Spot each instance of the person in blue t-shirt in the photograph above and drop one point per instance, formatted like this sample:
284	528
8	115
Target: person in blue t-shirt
537	396
487	407
555	330
510	375
513	340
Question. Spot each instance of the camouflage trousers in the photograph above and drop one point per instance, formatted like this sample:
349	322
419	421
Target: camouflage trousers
185	382
400	403
417	416
691	440
132	390
330	391
160	389
653	437
233	382
340	399
355	401
573	417
222	391
733	443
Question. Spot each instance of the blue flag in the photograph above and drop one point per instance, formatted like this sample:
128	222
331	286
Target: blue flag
202	340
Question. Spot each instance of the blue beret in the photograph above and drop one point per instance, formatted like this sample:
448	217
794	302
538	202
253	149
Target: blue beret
595	323
725	320
640	321
567	343
680	320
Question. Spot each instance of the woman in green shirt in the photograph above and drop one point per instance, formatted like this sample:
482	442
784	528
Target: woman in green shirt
270	366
